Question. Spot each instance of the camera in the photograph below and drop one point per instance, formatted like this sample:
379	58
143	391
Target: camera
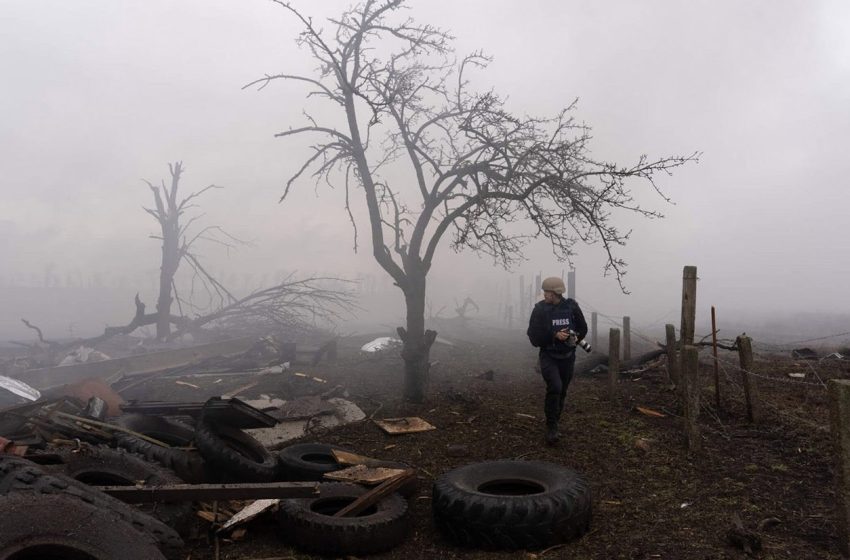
584	344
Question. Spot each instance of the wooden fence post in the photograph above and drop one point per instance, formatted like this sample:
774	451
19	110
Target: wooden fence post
520	310
839	423
716	363
745	357
689	304
594	337
672	355
571	284
690	376
613	362
627	338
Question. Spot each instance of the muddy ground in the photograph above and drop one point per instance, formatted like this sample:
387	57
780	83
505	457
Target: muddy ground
655	502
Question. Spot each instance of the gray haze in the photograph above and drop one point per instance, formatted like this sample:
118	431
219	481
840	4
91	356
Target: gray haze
98	95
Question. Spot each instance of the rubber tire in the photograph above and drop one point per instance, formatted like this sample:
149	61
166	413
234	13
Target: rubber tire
469	517
102	466
188	465
21	476
62	527
294	466
324	534
239	455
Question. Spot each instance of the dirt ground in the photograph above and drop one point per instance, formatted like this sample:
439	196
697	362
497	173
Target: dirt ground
655	502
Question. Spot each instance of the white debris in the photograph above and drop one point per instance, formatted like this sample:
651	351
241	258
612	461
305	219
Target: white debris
249	512
380	343
345	412
19	388
83	355
265	402
797	375
280	368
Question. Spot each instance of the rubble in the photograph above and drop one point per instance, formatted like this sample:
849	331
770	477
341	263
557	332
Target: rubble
220	448
343	412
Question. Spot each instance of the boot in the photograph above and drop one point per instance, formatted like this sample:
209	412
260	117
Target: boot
552	435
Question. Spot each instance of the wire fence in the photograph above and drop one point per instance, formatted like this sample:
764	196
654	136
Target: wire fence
733	376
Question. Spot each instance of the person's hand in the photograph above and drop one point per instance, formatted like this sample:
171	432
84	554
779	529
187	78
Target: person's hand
562	335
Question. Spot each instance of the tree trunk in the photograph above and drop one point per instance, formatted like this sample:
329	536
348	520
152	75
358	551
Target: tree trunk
417	341
170	262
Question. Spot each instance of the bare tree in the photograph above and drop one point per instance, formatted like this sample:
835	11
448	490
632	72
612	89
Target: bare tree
177	243
489	178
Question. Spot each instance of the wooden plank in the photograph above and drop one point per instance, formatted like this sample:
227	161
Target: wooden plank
134	365
408	425
361	474
223	492
346	458
375	495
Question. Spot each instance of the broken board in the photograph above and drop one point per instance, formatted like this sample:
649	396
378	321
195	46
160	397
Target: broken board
361	474
408	425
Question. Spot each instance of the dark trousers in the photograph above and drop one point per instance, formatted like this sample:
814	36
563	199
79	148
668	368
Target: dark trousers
557	373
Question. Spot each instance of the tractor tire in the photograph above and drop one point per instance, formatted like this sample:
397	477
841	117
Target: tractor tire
62	527
102	466
308	461
237	454
188	465
511	505
309	523
19	476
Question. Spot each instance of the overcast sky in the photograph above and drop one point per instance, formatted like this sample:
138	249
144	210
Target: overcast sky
98	95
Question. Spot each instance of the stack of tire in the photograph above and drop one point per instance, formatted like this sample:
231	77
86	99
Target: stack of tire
309	523
214	452
51	516
209	451
178	454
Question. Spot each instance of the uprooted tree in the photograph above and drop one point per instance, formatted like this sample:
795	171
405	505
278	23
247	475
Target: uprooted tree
491	178
293	305
290	303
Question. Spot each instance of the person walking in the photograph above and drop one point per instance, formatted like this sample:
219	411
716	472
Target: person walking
555	326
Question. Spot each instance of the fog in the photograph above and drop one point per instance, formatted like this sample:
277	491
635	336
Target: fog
99	95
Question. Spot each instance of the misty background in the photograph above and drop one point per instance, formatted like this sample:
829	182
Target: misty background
99	95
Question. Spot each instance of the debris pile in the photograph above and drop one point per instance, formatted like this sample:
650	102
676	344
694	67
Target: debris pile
161	472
